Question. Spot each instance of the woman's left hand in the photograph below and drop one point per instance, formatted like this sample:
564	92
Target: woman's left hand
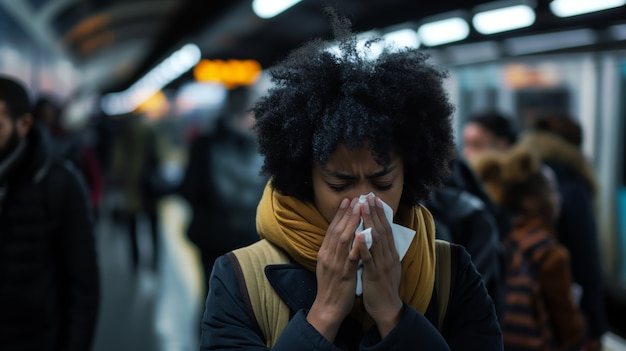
381	268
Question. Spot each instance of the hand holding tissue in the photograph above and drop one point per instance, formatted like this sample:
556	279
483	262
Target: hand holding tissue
402	237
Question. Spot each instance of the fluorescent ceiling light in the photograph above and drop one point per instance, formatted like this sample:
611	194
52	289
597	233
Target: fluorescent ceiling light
368	48
548	42
164	73
504	19
271	8
371	48
567	8
366	45
443	31
403	38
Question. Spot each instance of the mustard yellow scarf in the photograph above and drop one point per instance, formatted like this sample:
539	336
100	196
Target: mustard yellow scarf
298	228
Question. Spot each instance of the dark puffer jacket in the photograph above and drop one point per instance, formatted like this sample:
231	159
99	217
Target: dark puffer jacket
49	285
463	219
464	214
470	322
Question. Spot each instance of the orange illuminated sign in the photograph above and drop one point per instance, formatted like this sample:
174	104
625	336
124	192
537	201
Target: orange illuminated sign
229	72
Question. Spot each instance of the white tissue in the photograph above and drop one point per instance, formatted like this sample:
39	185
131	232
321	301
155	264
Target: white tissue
402	237
367	233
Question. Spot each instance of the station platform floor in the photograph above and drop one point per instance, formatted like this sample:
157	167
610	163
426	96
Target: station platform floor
160	311
145	310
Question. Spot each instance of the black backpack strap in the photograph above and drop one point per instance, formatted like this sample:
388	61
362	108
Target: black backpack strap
442	278
445	278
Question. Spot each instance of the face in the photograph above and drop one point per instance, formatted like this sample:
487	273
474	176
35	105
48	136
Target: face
11	132
476	139
352	173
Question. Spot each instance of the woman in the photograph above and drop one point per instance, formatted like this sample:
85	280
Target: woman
541	311
333	128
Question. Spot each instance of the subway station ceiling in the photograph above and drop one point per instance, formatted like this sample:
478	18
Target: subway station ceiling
114	42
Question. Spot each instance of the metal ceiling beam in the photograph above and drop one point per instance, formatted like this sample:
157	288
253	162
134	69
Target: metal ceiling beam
38	29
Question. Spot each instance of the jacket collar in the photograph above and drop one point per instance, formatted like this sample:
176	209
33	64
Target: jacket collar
295	285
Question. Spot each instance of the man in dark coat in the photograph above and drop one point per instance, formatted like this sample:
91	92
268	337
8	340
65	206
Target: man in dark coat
49	283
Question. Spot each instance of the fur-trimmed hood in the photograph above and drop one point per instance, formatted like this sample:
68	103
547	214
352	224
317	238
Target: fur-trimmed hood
553	148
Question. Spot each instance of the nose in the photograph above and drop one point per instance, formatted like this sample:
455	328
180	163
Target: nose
362	189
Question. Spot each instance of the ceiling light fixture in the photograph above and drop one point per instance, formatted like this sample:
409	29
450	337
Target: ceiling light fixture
443	31
271	8
567	8
403	38
504	19
164	73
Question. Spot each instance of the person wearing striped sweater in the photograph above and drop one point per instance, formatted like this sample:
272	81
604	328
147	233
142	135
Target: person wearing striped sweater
541	311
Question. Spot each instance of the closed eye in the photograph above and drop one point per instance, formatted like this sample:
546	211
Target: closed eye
383	187
342	187
337	188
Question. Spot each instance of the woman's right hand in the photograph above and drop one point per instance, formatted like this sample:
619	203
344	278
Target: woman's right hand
337	263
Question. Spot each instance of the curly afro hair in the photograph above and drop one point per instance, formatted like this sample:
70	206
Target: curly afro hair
321	99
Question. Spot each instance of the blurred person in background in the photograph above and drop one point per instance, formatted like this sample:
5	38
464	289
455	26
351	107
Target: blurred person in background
49	279
484	223
222	182
541	311
465	215
557	138
136	178
74	146
487	131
